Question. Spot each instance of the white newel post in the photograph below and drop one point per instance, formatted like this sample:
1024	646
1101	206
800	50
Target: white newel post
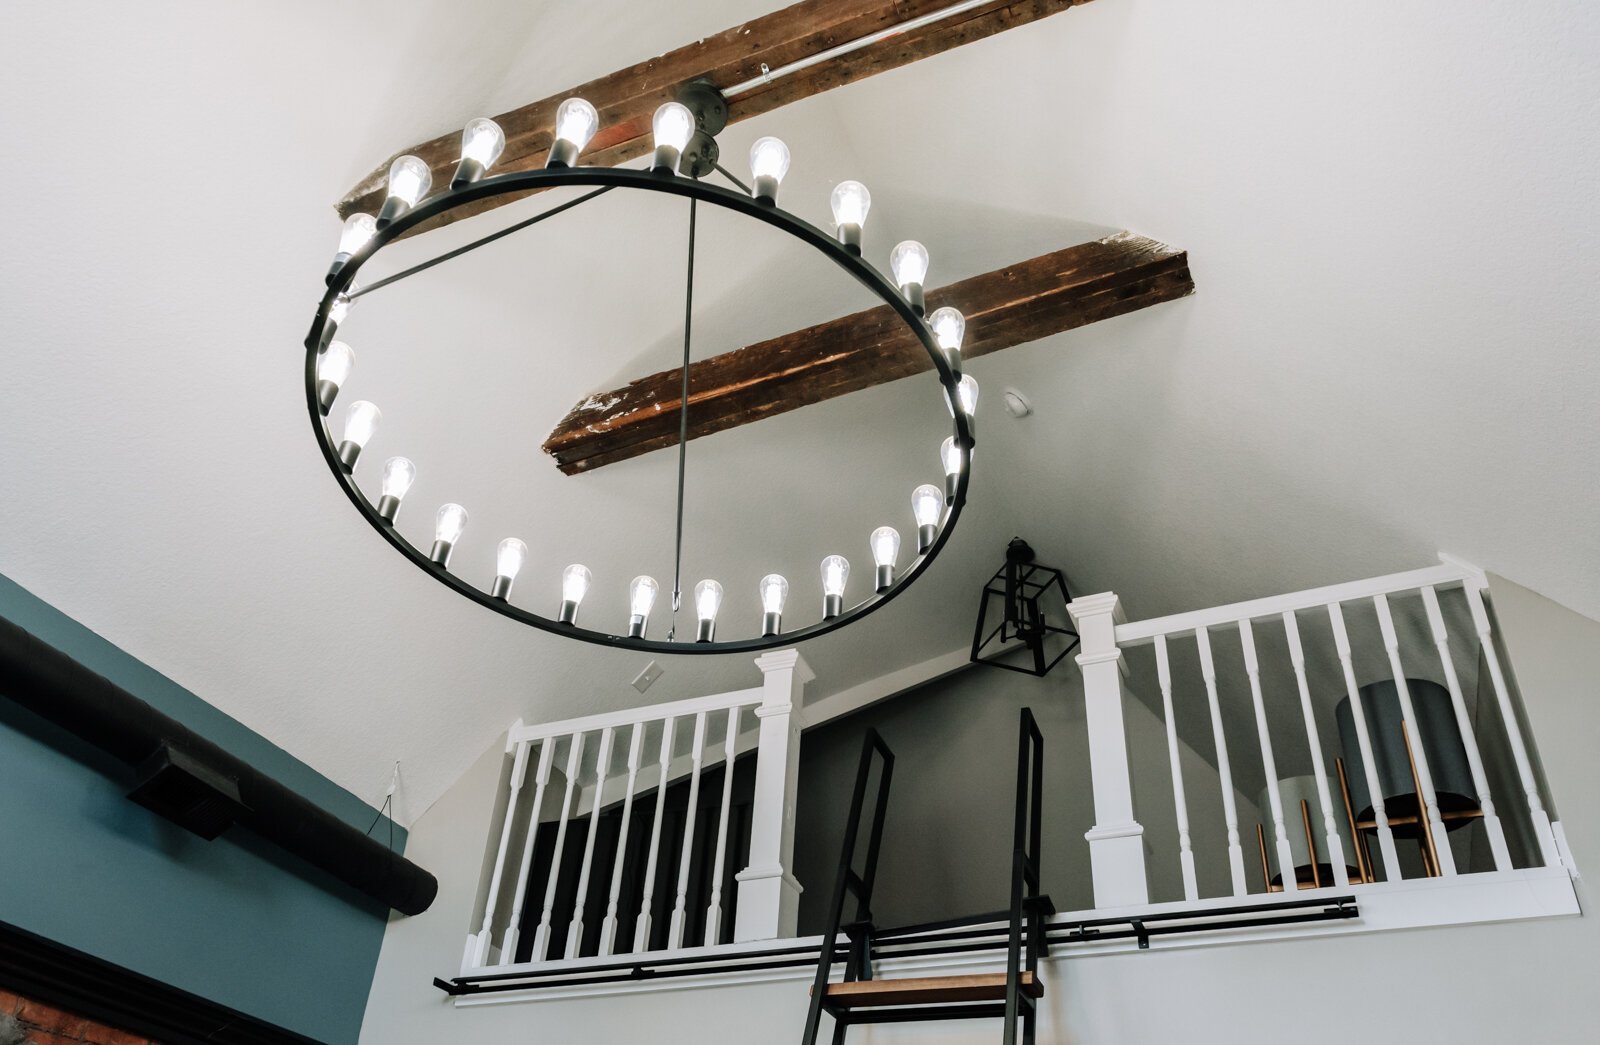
769	895
1116	842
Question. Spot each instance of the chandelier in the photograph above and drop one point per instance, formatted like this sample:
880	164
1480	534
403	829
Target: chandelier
685	153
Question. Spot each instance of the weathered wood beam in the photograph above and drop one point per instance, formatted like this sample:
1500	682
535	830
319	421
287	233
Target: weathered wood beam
1010	306
628	98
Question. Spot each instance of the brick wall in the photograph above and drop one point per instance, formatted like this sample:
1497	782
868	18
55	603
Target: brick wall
42	1025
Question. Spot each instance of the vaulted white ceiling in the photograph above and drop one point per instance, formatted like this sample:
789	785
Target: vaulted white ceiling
1390	215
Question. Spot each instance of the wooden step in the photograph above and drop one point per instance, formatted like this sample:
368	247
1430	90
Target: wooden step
927	990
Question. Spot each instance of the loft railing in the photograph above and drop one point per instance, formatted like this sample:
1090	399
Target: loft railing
579	771
1327	657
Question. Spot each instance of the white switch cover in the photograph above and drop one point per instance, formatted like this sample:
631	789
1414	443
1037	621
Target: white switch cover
651	672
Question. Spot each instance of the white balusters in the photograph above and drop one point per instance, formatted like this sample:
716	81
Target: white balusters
714	909
608	928
1230	811
1297	656
1191	888
601	769
1508	714
686	851
541	938
1469	739
1252	668
1380	815
486	934
1419	754
541	777
641	929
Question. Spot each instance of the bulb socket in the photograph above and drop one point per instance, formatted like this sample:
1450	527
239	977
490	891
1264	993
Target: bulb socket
765	190
393	207
569	612
885	577
771	623
850	237
705	631
915	298
636	626
501	588
666	161
925	536
952	356
339	261
329	326
832	606
440	555
468	171
562	154
388	507
950	488
327	392
348	453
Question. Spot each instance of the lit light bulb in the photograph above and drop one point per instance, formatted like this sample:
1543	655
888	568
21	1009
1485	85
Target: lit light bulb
673	125
707	600
927	504
641	597
357	233
333	369
575	581
398	475
950	454
447	528
360	421
576	122
835	572
774	592
508	560
850	202
909	263
409	181
482	142
885	542
949	327
769	162
340	307
967	395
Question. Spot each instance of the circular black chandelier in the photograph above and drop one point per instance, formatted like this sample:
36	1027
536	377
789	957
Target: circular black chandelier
685	152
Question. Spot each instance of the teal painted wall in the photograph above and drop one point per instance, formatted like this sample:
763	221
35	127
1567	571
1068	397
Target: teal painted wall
236	920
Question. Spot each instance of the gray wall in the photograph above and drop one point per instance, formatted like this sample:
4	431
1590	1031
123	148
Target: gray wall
234	920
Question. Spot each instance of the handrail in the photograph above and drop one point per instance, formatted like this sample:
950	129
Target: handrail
631	716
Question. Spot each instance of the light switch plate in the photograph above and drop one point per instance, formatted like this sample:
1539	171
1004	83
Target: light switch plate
651	672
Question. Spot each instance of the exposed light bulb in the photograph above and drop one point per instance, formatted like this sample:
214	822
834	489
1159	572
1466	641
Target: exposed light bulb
641	598
835	572
908	261
575	581
949	328
769	162
967	395
950	454
409	181
774	593
885	543
850	202
576	122
398	475
447	528
357	233
340	308
707	601
927	504
333	369
673	125
360	421
508	560
482	142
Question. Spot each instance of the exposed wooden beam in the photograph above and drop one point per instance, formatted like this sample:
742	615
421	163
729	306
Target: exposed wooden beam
628	98
1019	303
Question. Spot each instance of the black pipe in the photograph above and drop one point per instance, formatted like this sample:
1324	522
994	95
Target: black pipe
55	687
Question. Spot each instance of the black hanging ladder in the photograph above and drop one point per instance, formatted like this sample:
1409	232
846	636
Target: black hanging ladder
1011	996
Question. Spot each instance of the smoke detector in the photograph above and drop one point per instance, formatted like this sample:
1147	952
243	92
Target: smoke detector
1015	404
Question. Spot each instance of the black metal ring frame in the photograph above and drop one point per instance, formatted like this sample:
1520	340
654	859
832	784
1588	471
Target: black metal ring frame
619	177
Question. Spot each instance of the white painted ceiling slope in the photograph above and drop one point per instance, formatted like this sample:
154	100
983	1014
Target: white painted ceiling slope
1391	216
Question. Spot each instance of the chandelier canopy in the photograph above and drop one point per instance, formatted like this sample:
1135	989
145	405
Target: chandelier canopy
686	151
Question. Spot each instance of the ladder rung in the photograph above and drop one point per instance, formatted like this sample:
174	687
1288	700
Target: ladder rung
927	990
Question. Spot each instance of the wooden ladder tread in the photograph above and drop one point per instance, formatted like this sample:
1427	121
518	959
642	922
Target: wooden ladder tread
927	990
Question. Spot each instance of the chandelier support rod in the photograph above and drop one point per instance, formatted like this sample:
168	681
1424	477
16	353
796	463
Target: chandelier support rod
726	173
683	423
475	244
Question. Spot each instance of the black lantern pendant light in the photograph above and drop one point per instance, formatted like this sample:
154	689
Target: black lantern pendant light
1026	599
